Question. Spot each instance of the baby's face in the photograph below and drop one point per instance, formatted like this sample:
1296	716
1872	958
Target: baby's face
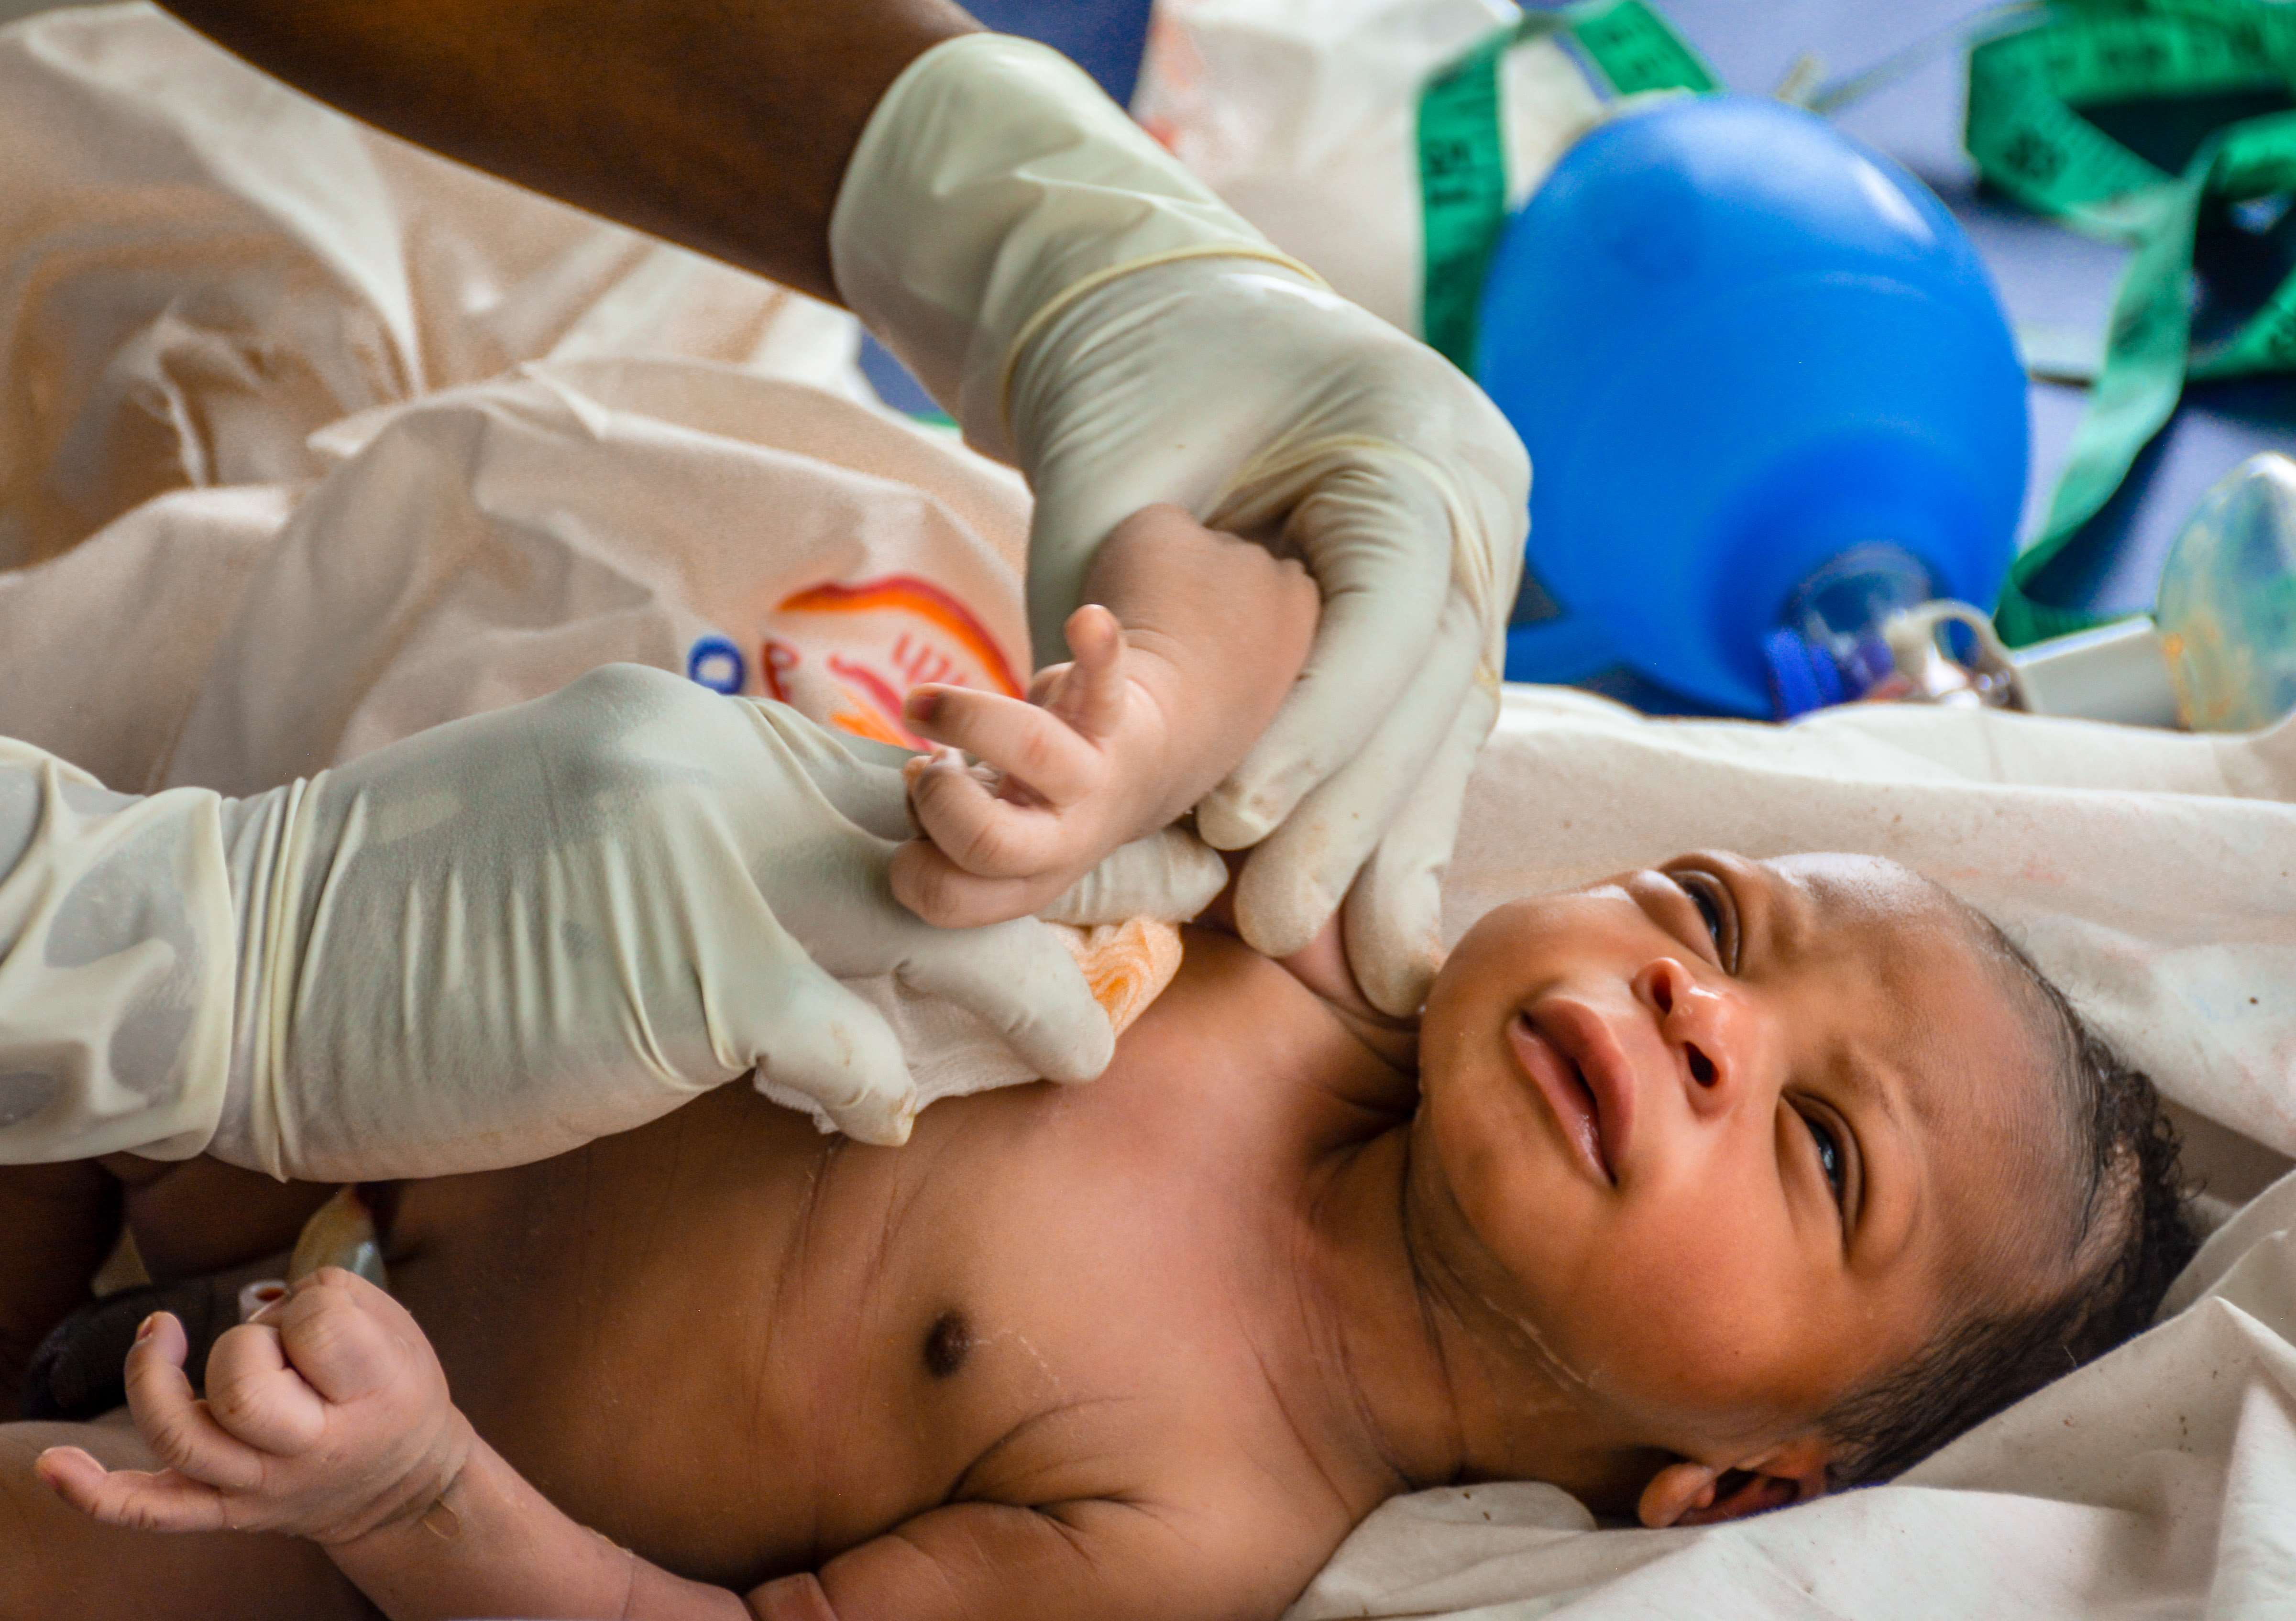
1729	1137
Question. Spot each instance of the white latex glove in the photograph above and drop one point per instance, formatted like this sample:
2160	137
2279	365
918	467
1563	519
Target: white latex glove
1169	876
1088	310
485	945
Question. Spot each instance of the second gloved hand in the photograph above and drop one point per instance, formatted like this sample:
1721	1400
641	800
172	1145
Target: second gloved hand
1091	312
501	938
1283	411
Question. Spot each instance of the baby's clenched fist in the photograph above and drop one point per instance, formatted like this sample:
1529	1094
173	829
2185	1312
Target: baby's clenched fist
326	1416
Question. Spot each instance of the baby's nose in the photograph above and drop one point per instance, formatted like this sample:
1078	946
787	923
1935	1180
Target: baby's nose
1700	1027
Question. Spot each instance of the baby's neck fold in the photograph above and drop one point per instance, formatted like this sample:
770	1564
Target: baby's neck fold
1370	1317
1440	1381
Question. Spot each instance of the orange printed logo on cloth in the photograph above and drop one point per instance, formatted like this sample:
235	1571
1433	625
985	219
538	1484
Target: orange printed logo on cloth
847	654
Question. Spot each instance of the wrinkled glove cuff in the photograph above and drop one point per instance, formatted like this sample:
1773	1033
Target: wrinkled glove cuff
267	842
993	182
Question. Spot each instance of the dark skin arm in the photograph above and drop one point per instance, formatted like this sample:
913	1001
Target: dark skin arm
721	125
967	1561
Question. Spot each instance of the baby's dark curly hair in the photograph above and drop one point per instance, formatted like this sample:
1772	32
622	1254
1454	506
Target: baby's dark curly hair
2131	1234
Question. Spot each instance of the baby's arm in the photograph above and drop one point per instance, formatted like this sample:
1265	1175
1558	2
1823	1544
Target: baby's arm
328	1417
1192	642
1097	1559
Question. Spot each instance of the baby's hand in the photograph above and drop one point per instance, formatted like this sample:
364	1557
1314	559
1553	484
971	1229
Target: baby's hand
1064	778
1171	685
326	1416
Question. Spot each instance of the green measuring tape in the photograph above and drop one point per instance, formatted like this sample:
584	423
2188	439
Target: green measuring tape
1462	179
2027	137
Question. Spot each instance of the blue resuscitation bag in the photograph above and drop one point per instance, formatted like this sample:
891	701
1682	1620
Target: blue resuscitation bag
1752	361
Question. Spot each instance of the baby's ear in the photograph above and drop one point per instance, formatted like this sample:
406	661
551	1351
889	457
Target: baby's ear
1688	1494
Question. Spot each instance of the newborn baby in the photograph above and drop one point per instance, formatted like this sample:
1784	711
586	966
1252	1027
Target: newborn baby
1696	1192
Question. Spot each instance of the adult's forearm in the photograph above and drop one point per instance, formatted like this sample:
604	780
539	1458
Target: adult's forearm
722	124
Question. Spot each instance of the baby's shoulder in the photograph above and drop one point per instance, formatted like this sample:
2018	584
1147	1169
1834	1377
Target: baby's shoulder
1303	1018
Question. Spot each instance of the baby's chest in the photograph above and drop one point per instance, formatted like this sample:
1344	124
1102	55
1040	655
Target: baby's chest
1059	1332
841	1436
1077	1395
1171	1412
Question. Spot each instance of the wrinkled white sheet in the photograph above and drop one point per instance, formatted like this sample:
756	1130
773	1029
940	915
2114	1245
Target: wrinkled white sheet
308	440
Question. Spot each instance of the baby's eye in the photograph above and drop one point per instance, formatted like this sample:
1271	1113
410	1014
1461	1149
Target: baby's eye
1705	894
1829	1154
1702	898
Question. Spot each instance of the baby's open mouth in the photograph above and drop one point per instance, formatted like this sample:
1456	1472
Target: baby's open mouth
1564	1085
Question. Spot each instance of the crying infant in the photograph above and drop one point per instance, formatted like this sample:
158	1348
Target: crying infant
1699	1192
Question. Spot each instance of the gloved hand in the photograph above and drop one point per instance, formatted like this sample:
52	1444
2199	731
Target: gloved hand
487	944
1088	310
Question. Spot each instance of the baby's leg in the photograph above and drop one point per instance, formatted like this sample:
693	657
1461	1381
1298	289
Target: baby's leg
59	1221
56	1562
201	1216
189	1218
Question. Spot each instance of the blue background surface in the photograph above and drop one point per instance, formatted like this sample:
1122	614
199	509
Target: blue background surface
2047	276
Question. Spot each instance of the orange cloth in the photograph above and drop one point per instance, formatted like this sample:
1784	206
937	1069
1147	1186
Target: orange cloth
1128	965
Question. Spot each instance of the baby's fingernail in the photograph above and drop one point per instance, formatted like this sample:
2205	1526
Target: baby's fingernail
143	1329
922	703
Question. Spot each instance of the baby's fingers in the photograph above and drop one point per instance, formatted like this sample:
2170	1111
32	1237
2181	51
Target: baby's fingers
346	1337
946	896
255	1396
1035	746
1090	695
136	1499
174	1424
980	833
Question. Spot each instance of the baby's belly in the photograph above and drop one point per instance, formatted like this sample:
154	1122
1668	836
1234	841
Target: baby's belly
655	1332
740	1348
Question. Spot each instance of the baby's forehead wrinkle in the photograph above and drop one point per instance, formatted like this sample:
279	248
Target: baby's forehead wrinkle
1787	916
2052	1050
1832	920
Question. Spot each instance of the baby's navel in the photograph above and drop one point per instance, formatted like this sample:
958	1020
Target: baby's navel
948	1343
